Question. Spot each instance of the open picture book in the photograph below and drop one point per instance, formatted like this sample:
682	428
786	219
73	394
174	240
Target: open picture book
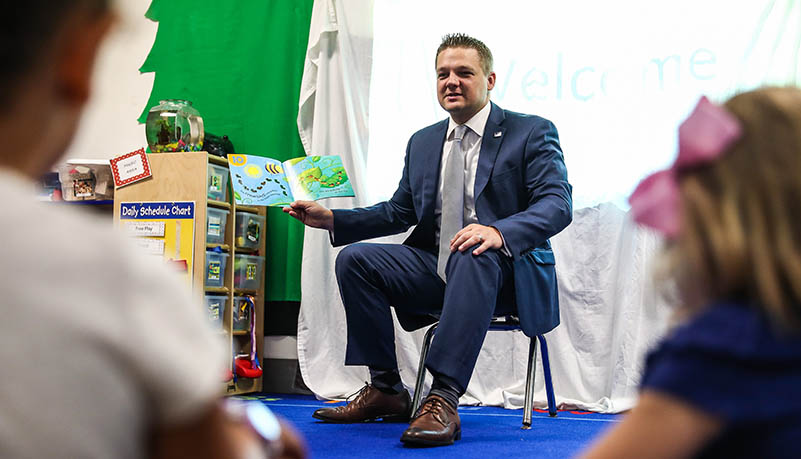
260	181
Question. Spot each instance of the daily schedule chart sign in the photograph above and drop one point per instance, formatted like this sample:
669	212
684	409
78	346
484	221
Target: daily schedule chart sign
163	229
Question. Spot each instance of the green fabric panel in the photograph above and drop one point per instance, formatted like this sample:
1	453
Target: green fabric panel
240	63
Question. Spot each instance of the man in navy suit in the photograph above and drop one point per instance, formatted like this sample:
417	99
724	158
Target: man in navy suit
514	194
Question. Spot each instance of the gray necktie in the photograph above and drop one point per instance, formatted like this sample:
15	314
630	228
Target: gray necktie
452	217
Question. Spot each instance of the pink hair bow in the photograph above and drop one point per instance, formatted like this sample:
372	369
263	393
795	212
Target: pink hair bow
703	137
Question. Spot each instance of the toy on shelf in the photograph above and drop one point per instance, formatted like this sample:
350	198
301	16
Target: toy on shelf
218	146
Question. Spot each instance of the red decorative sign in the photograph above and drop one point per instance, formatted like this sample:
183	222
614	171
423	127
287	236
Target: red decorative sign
130	168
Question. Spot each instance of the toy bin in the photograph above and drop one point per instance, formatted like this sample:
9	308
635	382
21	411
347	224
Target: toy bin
215	305
215	225
241	316
248	271
86	180
215	268
218	183
249	228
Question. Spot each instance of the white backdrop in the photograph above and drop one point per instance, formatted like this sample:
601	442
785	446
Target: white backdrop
602	260
616	77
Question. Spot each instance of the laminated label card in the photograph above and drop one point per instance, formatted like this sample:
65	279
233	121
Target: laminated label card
138	228
129	168
260	181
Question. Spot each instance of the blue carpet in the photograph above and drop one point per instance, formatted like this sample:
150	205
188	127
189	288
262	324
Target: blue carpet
486	432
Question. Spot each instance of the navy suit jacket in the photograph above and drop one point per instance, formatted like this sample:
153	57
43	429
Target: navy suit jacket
521	189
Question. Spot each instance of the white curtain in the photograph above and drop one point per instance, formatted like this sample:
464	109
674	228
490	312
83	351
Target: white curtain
609	310
332	119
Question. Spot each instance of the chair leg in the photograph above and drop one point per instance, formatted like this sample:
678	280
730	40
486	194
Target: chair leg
421	369
528	404
546	370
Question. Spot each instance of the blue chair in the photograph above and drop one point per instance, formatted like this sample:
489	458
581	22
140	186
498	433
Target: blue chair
537	302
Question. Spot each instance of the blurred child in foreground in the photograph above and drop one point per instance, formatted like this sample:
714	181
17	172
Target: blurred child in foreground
727	381
103	353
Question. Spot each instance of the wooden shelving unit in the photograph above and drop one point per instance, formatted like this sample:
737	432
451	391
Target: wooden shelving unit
183	177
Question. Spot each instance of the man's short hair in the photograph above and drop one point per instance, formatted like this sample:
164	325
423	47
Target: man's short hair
461	40
26	30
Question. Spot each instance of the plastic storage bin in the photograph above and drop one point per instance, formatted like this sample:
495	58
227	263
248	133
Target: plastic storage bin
249	229
216	220
215	268
86	180
241	316
215	305
217	183
248	271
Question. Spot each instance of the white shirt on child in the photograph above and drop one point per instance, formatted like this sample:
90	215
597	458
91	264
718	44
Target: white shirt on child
98	344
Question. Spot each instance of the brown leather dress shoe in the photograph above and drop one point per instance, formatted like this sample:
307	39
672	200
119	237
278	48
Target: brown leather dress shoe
370	404
435	424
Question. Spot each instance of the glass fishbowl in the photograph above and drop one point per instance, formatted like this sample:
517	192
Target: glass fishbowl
174	125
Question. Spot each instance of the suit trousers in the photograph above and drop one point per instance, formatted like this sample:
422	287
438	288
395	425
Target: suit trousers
374	277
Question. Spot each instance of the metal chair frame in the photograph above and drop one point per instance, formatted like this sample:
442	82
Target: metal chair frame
500	323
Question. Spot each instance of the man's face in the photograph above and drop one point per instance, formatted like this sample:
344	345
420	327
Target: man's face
462	87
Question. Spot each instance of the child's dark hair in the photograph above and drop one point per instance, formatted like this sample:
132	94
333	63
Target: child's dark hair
26	28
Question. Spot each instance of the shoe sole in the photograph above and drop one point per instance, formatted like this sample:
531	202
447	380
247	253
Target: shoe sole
411	441
389	418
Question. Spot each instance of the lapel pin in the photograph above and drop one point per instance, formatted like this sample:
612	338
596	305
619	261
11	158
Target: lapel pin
497	134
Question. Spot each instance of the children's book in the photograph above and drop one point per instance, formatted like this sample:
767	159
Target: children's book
260	181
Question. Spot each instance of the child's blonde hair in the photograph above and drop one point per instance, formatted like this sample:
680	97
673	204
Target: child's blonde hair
741	214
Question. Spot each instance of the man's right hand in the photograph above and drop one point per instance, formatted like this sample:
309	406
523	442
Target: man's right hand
311	214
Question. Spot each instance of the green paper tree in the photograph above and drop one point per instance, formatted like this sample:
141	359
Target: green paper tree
240	63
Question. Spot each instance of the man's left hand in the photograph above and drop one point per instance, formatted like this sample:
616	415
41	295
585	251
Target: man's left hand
486	237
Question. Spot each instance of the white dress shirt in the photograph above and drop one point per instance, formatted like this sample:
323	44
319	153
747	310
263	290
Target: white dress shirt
471	144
